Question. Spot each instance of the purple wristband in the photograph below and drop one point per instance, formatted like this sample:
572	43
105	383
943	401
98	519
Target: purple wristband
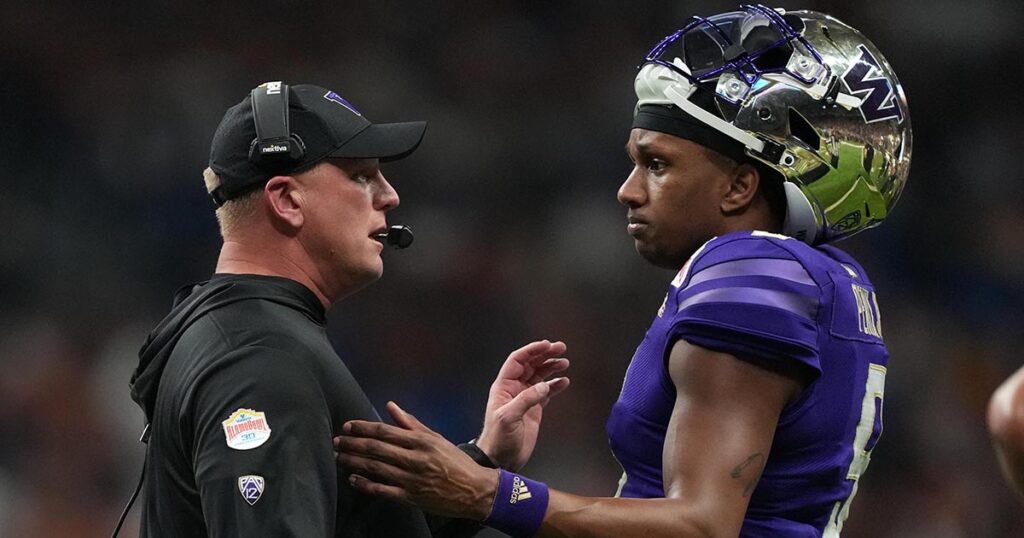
519	505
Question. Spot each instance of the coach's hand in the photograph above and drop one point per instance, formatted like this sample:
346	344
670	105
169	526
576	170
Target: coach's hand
413	464
516	402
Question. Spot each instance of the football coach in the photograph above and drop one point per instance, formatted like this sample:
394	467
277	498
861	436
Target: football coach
241	390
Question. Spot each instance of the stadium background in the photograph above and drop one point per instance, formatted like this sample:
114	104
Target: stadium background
107	114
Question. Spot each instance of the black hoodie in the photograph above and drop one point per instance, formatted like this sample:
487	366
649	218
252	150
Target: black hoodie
243	394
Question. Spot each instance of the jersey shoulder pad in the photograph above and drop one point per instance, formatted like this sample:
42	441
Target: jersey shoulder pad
751	294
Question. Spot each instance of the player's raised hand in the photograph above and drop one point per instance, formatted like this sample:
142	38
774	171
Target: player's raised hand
411	463
516	402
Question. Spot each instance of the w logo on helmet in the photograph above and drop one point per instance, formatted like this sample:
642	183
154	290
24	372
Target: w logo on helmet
865	80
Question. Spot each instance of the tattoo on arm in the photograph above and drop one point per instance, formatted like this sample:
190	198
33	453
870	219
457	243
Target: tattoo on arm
756	464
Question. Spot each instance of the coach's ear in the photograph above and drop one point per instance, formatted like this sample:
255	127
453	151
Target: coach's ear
742	188
283	202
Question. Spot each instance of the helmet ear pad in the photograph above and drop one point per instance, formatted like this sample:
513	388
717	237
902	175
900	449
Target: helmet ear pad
801	222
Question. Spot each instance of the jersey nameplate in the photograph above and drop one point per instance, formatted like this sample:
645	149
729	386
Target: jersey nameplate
855	314
869	319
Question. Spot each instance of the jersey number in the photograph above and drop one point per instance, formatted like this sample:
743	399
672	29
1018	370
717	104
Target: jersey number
868	430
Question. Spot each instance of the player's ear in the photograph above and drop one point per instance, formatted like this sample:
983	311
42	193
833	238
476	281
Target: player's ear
284	203
743	185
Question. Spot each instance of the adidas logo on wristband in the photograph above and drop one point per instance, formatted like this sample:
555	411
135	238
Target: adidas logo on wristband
519	491
518	518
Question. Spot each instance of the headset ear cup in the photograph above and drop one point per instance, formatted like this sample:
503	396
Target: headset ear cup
254	155
298	150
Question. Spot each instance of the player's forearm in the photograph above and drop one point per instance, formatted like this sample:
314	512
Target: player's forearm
597	517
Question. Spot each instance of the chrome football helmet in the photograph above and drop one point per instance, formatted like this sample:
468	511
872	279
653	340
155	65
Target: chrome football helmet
805	94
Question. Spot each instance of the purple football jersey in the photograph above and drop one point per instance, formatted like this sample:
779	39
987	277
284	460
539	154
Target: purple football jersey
769	299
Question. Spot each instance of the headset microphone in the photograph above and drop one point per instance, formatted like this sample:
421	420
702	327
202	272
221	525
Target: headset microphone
397	236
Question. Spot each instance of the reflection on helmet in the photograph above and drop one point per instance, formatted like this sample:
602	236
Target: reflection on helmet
804	93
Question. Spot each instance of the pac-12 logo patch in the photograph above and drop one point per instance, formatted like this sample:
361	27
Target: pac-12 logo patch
246	429
251	487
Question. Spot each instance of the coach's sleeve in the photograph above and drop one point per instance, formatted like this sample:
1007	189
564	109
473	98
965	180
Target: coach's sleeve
262	447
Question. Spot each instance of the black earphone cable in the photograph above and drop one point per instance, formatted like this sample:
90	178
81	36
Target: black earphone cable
138	487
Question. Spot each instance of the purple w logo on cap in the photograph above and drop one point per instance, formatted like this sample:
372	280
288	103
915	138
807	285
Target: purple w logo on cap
331	96
878	98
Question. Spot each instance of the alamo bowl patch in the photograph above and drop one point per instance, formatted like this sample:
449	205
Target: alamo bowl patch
251	487
246	429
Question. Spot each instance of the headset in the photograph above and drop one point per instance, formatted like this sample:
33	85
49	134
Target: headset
275	148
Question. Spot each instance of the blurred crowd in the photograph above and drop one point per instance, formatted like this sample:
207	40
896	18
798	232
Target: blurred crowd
107	115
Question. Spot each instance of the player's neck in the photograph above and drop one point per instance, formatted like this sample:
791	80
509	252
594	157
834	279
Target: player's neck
757	217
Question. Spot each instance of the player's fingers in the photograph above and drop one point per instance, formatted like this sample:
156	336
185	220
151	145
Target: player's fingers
538	361
406	420
548	368
558	348
377	489
373	449
514	410
557	385
513	366
376	470
529	351
384	432
553	349
523	363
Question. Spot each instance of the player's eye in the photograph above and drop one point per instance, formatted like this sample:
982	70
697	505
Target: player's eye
656	165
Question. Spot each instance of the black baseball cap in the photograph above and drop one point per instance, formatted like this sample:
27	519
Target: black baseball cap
318	124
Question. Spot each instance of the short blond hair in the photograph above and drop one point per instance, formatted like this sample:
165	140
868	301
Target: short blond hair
234	214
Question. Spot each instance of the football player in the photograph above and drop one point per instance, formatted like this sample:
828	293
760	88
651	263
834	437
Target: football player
753	404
